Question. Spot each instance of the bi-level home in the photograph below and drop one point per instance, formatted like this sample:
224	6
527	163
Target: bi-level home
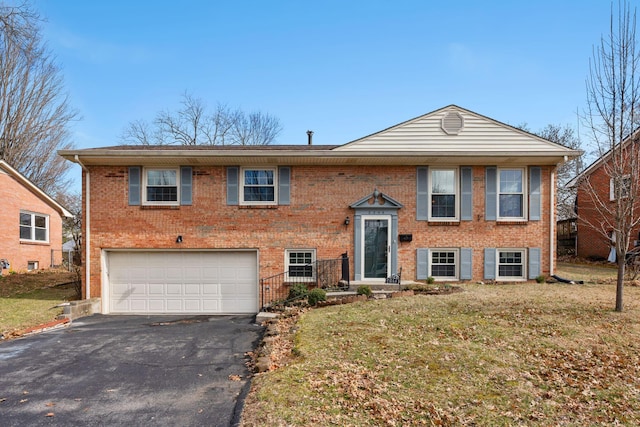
452	195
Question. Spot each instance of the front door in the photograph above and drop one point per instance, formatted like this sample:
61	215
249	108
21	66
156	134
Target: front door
376	240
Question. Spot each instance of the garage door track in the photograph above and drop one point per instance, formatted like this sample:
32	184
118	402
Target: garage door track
129	370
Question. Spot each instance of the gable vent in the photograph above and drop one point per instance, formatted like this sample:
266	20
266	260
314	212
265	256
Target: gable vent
452	123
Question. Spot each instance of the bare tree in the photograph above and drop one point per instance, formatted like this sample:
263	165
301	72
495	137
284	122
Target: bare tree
34	109
192	124
72	230
613	94
564	135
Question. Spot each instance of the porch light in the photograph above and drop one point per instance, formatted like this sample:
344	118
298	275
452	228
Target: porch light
179	239
347	221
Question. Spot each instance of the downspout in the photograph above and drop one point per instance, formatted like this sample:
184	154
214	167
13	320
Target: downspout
87	222
552	222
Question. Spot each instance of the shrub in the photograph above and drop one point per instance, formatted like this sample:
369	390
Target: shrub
297	291
540	279
431	280
316	295
364	290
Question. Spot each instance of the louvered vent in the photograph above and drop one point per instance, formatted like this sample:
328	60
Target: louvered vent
452	123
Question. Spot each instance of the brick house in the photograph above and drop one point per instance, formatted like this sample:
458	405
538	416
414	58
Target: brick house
596	186
32	223
451	194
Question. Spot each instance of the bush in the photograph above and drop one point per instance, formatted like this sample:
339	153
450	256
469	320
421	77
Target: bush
431	280
316	295
364	290
540	279
298	291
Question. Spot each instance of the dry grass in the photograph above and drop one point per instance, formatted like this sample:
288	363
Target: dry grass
29	299
499	355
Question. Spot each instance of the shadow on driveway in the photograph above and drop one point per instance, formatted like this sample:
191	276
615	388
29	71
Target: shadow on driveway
129	370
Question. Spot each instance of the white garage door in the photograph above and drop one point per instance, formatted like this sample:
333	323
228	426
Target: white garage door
182	282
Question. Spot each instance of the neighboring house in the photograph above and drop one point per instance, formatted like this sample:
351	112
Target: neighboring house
594	232
31	222
186	229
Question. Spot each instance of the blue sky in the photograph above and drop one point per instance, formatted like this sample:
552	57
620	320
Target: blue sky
343	69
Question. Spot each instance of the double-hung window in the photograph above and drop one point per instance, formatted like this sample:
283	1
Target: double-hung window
511	192
299	264
258	186
619	187
443	264
443	194
511	264
34	227
161	186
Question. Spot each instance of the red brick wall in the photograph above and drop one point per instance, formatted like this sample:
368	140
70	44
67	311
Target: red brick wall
320	199
592	240
15	197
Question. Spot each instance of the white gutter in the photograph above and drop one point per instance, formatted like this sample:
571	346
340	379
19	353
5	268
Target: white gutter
552	221
87	234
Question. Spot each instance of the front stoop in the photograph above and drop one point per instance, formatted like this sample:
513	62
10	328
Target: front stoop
82	308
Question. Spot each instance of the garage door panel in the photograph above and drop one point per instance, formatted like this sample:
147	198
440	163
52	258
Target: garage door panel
156	289
210	289
173	289
183	282
192	289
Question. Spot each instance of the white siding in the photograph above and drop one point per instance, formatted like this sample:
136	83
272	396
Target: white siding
480	134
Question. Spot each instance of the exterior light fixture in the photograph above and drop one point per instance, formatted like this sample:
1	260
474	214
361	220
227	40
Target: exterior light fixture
179	239
347	221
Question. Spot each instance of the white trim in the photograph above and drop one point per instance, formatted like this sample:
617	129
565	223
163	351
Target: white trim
287	265
612	187
363	221
86	223
456	252
144	187
456	189
523	251
524	192
32	227
275	186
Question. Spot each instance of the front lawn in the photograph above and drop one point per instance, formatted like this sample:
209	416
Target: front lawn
29	299
499	355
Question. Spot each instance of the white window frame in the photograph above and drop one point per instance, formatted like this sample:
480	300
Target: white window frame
523	277
275	186
523	193
626	179
287	265
145	201
456	253
456	194
32	227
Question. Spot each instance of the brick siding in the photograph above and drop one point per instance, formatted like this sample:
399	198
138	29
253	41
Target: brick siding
15	197
320	199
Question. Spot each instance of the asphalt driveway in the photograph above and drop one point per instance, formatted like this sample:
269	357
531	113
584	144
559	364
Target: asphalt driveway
129	370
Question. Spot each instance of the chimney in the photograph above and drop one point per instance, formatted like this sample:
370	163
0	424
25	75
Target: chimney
310	135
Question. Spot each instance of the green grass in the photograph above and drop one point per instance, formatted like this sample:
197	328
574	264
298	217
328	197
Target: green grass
33	308
500	355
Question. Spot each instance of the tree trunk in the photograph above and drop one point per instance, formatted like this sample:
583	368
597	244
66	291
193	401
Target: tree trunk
620	283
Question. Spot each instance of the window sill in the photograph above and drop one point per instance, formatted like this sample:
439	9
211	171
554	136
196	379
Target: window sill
443	223
159	207
258	206
515	222
34	242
